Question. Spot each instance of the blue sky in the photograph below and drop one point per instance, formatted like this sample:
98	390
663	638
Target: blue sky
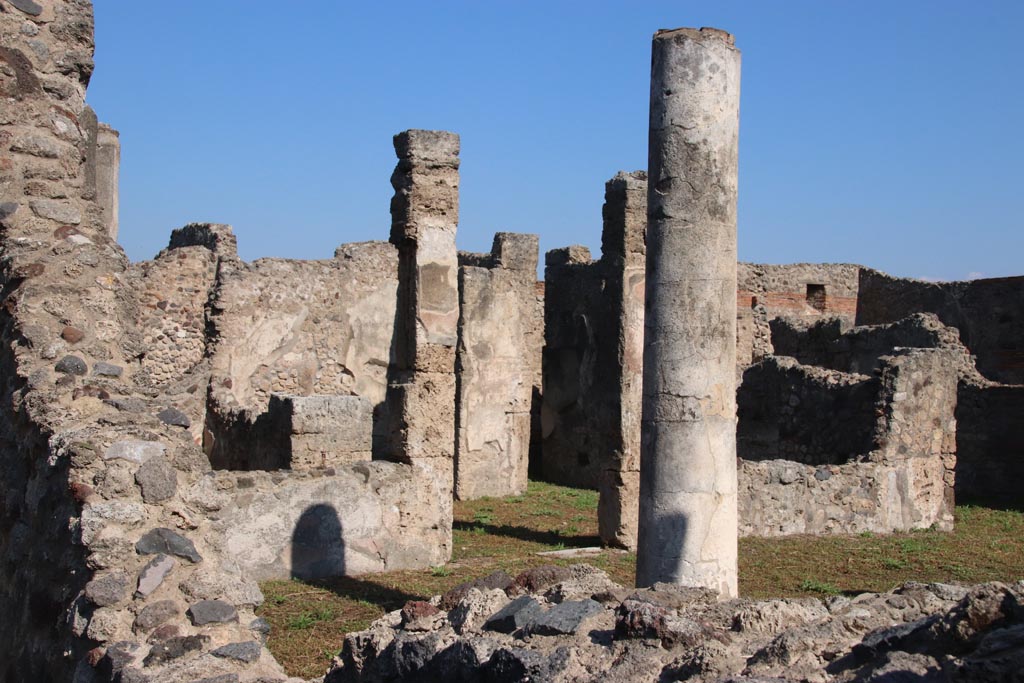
881	133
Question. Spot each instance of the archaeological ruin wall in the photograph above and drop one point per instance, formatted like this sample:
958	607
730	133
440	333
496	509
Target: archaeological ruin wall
989	314
498	367
804	291
592	360
989	317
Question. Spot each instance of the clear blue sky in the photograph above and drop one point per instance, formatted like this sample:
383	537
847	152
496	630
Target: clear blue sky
882	133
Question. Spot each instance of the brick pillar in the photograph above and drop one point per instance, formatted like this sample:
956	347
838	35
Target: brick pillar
421	385
623	254
688	517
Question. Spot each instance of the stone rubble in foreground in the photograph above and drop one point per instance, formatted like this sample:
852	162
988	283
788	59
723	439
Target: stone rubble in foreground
575	624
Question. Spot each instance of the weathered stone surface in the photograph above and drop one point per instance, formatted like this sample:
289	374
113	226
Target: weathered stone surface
212	612
243	652
56	210
173	416
566	618
134	451
158	480
500	334
173	648
104	369
71	365
499	579
515	615
153	574
108	588
72	335
28	7
154	615
168	542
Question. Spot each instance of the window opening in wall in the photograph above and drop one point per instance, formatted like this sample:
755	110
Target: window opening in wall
816	297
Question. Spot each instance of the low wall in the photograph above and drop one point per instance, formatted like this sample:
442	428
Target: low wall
905	481
344	521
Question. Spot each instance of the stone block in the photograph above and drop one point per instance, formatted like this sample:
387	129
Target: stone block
325	431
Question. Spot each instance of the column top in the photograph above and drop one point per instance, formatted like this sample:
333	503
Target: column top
427	145
702	35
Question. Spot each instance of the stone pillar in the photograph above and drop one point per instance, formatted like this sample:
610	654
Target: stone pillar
108	163
421	382
623	255
688	517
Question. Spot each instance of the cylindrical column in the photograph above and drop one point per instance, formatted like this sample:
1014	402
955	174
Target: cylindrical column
687	526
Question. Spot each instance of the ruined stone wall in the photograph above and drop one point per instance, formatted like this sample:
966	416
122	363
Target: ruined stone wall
824	342
902	480
593	331
804	413
802	290
497	364
990	443
300	328
989	314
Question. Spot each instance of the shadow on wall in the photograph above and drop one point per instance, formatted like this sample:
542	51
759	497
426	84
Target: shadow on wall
318	548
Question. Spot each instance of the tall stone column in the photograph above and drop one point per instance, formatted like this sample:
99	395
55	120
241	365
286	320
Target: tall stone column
688	517
108	164
421	382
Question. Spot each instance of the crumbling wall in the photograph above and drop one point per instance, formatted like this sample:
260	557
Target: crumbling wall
990	443
804	413
593	332
802	290
903	481
826	343
497	363
989	314
300	328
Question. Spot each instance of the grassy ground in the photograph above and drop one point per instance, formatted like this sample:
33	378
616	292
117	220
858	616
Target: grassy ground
310	619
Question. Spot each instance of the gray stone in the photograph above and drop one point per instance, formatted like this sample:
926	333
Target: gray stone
134	451
107	369
223	678
212	612
158	480
244	652
168	542
153	574
823	474
128	405
261	626
514	616
173	648
28	7
54	210
71	365
565	618
107	588
174	417
8	209
37	145
153	615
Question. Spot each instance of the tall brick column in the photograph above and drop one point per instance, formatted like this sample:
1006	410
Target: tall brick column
688	518
623	253
421	386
